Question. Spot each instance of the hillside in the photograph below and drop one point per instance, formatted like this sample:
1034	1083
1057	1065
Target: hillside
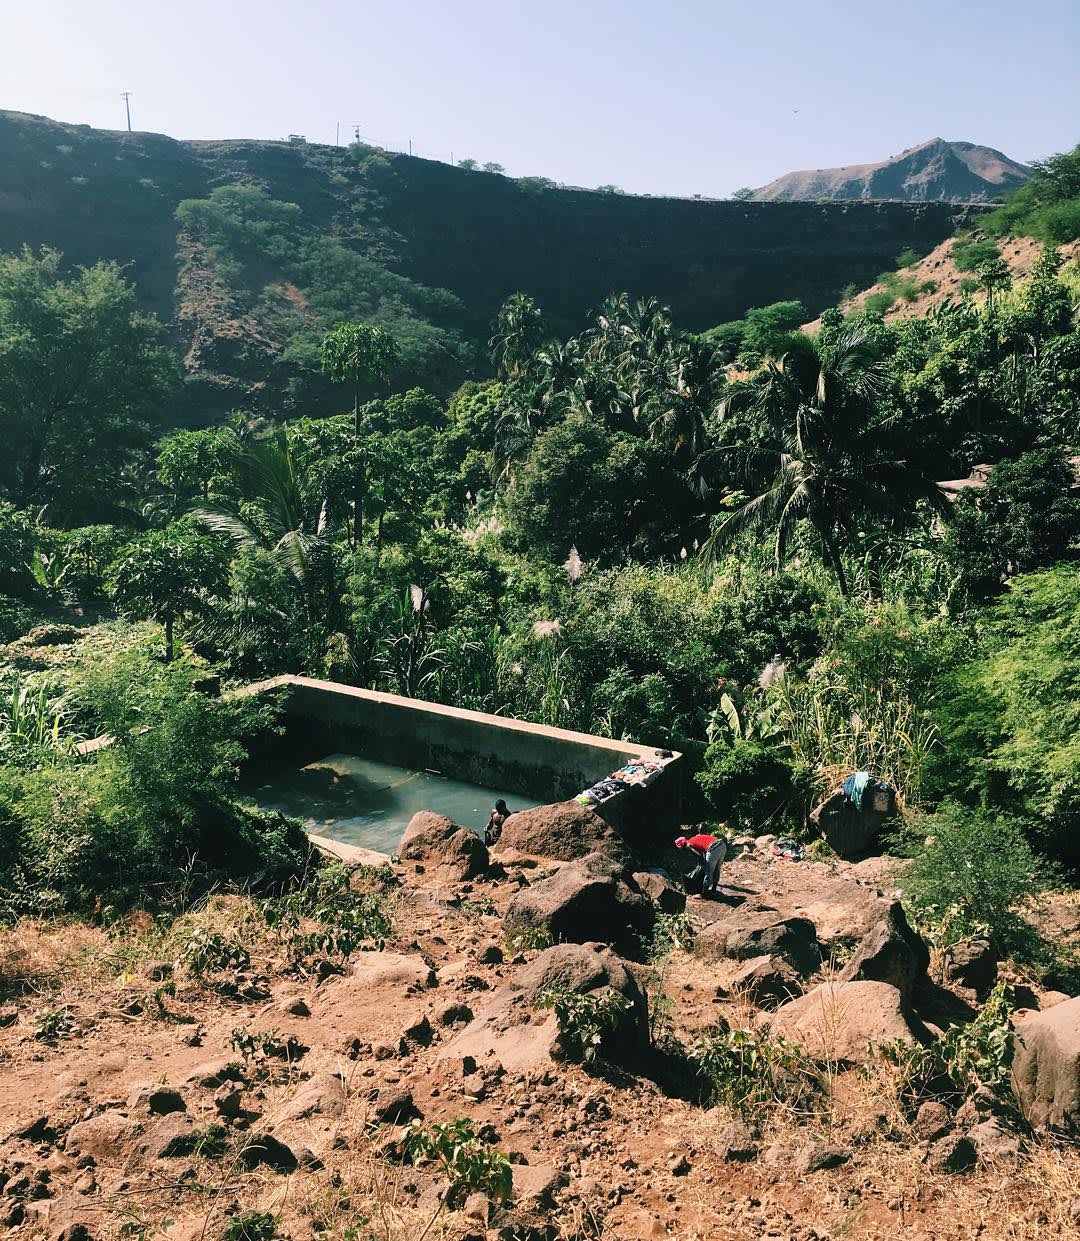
427	249
933	171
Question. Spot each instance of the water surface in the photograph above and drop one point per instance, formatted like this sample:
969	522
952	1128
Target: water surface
362	802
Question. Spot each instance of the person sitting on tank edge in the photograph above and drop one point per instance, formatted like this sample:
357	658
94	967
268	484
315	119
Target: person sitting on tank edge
493	829
711	850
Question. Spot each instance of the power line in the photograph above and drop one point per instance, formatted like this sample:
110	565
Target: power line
126	96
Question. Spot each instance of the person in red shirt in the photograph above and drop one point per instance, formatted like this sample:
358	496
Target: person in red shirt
711	850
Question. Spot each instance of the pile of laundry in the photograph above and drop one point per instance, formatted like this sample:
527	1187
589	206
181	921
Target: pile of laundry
637	773
787	848
866	793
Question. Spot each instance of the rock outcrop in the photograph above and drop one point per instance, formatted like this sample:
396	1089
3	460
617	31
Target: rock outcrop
1046	1067
510	1028
454	851
592	898
890	951
841	1021
561	832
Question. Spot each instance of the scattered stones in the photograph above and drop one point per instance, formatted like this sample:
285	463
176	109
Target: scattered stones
890	952
819	1157
932	1121
156	1100
455	1015
660	889
321	1095
229	1101
264	1150
955	1153
489	954
393	1105
102	1136
536	1184
1046	1066
156	971
749	933
765	981
564	831
580	899
993	1142
396	969
215	1073
737	1142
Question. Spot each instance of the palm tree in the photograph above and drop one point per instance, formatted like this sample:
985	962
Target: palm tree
519	330
833	447
284	517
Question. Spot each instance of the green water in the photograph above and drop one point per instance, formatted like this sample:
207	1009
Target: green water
365	803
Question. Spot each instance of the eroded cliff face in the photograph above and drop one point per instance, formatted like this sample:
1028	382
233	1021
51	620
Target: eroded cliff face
101	194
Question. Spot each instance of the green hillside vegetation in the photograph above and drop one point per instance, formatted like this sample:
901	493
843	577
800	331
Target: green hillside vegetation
616	533
1047	207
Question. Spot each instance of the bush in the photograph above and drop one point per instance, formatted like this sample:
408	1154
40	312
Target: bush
754	785
969	254
964	1058
970	877
587	1022
747	1068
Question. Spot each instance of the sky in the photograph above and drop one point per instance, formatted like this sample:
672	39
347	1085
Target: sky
671	97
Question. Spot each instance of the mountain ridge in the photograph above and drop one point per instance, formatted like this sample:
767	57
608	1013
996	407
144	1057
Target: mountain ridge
933	171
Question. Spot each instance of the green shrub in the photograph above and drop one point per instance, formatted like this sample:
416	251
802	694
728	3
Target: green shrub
587	1022
971	253
965	1057
209	952
468	1163
336	911
753	783
907	258
878	303
747	1068
250	1226
969	878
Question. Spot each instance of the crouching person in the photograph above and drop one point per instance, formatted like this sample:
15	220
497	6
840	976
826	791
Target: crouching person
710	851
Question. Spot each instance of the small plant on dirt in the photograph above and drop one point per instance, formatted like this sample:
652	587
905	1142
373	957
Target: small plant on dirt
336	912
468	1163
53	1025
260	1044
137	1227
669	931
964	1057
210	1141
475	908
209	952
250	1226
587	1022
528	939
748	1068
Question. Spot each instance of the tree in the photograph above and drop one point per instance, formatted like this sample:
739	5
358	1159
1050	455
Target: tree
519	330
470	165
743	194
1024	519
834	465
358	353
167	575
81	373
492	167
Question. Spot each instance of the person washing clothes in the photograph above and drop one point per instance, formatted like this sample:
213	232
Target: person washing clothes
711	850
494	827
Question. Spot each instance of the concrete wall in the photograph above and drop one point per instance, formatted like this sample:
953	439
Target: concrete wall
545	764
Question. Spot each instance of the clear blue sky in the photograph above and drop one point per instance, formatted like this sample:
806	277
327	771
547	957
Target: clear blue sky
682	96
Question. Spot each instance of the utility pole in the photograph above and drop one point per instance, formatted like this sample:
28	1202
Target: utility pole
126	96
410	146
356	132
337	133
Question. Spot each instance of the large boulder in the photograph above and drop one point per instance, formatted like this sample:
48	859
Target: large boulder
972	965
510	1028
563	831
1046	1067
841	1021
589	899
851	833
454	851
747	932
889	952
659	887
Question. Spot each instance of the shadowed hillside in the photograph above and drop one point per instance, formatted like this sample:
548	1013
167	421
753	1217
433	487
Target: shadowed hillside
425	248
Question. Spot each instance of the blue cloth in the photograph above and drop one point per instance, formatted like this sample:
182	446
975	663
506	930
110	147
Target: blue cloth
855	787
